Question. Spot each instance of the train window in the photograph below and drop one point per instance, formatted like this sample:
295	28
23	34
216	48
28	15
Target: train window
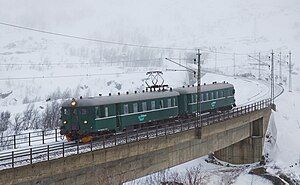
66	112
161	104
106	111
84	111
152	105
217	94
206	96
212	95
126	109
192	98
174	102
97	112
135	107
169	102
144	106
201	97
221	94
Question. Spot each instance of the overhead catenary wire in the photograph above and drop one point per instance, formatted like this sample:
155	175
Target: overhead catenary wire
66	76
81	63
92	39
119	43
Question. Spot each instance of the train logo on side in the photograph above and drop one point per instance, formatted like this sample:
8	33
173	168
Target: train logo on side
142	117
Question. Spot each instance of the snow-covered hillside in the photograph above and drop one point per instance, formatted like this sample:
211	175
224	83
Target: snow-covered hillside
45	60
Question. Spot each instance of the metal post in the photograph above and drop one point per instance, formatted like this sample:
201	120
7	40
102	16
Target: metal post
147	132
198	116
280	74
259	76
272	77
173	128
55	135
31	156
180	126
63	151
29	139
12	159
290	71
216	52
91	145
15	144
77	147
48	152
43	136
126	135
233	64
104	141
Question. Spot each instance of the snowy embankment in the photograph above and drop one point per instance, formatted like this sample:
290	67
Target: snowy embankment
283	147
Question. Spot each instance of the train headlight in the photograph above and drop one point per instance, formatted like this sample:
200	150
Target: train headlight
65	122
73	103
85	122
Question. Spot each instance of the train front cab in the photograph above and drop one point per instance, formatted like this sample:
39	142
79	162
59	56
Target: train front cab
77	122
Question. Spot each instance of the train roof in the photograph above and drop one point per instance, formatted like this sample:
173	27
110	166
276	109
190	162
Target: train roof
123	98
204	88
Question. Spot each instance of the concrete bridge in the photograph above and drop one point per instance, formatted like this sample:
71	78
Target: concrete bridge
237	138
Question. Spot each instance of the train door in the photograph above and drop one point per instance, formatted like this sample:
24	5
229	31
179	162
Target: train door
85	119
74	119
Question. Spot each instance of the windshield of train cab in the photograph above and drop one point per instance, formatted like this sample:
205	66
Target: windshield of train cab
74	111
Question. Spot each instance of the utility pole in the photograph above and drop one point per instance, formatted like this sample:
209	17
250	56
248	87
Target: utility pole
179	57
216	60
290	71
280	74
199	123
233	64
198	72
259	66
272	77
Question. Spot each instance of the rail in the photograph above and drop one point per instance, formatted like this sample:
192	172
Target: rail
32	155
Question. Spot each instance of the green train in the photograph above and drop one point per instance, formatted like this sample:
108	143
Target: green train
84	118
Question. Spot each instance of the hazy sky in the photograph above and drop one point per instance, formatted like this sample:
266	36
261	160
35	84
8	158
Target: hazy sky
169	22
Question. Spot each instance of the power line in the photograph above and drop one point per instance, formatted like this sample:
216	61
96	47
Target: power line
90	39
231	53
242	65
81	63
118	43
64	76
282	60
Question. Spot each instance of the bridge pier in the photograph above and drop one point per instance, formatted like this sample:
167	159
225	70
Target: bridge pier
248	150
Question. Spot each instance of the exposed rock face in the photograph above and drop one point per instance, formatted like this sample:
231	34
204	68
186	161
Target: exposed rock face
4	95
